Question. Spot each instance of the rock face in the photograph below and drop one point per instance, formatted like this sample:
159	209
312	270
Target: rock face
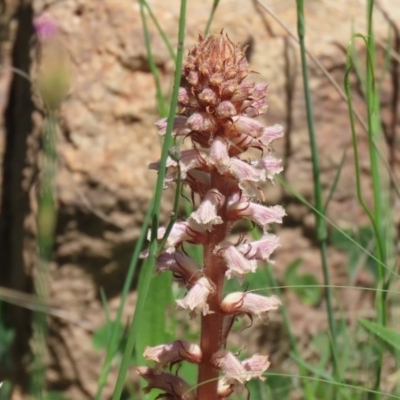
107	138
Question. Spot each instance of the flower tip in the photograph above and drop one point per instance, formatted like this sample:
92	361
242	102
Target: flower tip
45	27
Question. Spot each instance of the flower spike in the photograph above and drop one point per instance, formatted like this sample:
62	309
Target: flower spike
219	116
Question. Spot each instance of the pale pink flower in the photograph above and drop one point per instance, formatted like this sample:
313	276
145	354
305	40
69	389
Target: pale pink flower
229	365
208	97
189	231
217	79
228	88
183	96
244	125
173	352
193	77
201	122
219	154
226	386
256	108
271	165
242	141
193	159
196	298
237	264
256	366
271	133
260	90
255	105
186	98
260	249
179	128
189	159
241	372
234	198
184	269
258	213
249	303
199	181
245	173
244	90
225	109
206	214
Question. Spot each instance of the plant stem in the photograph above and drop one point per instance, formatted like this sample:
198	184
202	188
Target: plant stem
320	221
212	324
374	128
46	221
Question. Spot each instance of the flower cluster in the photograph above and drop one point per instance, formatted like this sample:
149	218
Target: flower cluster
219	110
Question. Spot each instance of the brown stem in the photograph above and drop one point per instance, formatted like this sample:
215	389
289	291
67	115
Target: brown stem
212	324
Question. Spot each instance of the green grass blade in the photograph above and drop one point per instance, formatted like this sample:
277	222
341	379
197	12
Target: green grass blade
46	220
162	105
157	323
321	230
321	373
335	182
389	270
382	395
389	336
171	50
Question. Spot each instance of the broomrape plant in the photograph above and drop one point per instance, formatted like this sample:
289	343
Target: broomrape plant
219	111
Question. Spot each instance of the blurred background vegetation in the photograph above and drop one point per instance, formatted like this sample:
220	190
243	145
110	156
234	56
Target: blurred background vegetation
76	195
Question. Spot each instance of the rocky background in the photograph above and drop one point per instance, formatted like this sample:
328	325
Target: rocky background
107	138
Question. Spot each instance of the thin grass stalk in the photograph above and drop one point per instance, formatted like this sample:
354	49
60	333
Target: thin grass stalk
321	230
335	182
387	60
357	169
211	17
104	303
379	394
330	222
162	105
374	137
164	37
155	212
46	224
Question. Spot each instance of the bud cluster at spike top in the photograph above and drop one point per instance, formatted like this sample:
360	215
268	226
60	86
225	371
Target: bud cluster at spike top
219	110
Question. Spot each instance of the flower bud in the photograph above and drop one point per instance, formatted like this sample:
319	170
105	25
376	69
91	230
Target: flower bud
53	75
168	383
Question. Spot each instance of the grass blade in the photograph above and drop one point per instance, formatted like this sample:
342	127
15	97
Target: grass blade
155	214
